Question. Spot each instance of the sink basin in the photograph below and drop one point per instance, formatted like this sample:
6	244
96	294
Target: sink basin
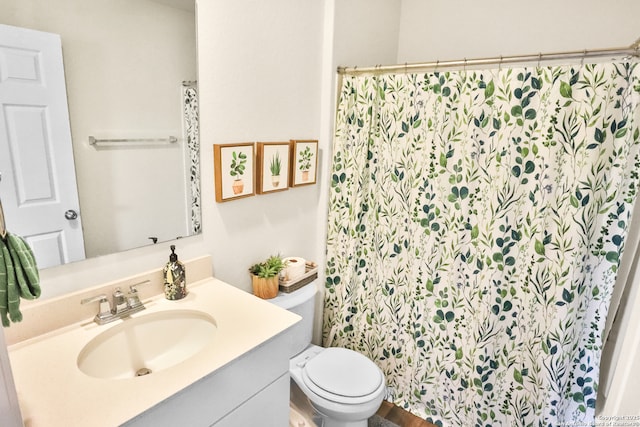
150	343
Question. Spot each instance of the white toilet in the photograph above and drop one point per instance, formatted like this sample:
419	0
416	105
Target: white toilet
343	386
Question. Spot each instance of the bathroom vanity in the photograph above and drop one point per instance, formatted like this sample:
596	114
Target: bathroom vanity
237	376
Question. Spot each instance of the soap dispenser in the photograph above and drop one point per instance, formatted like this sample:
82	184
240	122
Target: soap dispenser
175	286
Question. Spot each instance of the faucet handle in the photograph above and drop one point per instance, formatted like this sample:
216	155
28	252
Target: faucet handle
133	299
135	286
95	298
119	301
105	307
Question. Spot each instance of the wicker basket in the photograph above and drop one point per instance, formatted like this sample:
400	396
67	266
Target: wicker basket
310	274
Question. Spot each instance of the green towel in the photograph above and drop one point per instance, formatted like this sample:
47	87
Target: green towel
19	277
11	286
25	267
4	302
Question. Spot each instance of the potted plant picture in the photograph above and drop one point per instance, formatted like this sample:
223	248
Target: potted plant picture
234	166
304	163
264	276
275	167
238	166
304	153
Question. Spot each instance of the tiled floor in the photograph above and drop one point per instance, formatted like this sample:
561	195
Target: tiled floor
397	415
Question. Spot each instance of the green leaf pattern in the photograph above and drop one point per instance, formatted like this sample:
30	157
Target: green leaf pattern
476	225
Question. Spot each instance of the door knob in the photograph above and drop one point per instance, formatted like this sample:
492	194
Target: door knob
71	214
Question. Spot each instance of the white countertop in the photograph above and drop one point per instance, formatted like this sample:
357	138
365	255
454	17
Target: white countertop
53	392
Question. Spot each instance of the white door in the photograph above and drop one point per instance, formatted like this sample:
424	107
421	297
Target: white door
38	183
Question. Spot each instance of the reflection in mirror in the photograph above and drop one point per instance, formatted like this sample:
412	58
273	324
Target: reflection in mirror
120	72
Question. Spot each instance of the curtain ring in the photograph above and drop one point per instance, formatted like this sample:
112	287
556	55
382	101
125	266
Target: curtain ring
584	55
435	70
406	71
539	59
464	67
500	63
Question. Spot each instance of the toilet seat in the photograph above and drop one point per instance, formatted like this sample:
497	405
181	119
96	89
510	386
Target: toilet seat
343	376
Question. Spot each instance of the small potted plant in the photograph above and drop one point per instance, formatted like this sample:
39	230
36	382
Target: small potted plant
238	165
305	163
275	167
264	276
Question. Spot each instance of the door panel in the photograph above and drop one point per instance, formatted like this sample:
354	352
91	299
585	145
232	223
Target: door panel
36	158
28	142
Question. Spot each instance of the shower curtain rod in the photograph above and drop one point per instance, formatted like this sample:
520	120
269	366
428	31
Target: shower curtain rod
631	51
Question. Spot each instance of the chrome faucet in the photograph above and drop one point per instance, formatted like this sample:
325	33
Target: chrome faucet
122	305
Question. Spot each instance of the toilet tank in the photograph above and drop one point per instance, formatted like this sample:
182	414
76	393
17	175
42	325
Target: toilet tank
302	302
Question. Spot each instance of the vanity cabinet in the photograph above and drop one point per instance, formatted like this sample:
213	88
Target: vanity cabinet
251	390
263	409
240	377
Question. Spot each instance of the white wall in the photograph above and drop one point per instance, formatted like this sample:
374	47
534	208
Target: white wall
260	66
458	29
366	32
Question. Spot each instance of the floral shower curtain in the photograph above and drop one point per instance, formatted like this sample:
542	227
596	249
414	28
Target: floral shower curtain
476	224
191	122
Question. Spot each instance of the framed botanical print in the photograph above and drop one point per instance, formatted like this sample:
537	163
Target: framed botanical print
234	166
273	167
304	162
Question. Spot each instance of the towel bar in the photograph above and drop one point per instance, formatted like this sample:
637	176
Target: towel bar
94	141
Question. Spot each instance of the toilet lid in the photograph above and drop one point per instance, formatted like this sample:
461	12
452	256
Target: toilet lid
343	372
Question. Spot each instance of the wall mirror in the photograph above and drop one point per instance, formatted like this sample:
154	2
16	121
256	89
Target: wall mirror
129	75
